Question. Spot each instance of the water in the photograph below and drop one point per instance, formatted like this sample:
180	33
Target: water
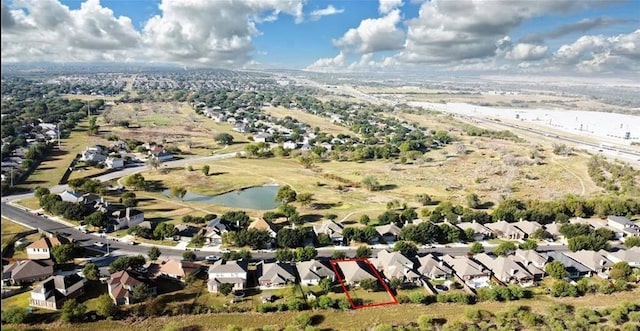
257	198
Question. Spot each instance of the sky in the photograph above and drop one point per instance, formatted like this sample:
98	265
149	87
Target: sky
582	37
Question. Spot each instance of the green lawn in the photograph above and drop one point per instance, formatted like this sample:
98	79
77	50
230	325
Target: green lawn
9	230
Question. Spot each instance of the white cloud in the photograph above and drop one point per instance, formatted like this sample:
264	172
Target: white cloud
527	52
329	64
386	6
330	10
45	30
373	35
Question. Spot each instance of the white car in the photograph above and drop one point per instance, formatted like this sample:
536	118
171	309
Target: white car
212	258
99	244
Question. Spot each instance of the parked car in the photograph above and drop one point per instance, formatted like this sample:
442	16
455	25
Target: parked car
99	244
212	258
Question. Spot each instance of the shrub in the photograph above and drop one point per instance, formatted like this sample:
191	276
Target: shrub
303	320
15	315
265	307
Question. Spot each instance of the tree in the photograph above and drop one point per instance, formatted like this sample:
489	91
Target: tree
364	219
423	199
305	253
154	163
91	271
556	270
62	253
632	242
165	230
473	201
284	255
529	245
290	238
136	181
72	311
363	251
325	284
154	307
406	248
40	192
97	219
338	255
153	253
205	169
105	306
225	288
286	194
125	262
331	217
371	183
304	199
620	270
476	248
15	315
224	138
189	256
140	292
369	284
505	248
178	192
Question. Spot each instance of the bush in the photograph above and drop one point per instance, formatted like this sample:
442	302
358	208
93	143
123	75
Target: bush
15	315
303	320
265	307
296	304
417	297
325	302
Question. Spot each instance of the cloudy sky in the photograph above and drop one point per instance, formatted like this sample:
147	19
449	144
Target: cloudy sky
511	36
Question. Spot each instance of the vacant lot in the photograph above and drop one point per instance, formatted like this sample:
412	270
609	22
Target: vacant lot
9	230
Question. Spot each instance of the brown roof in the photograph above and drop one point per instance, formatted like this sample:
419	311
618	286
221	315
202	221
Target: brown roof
124	277
47	242
178	268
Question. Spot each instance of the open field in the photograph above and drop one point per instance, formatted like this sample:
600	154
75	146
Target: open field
51	170
172	123
360	319
310	119
9	230
86	97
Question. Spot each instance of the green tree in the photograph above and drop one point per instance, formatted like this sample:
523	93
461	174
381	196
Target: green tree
105	306
556	270
136	181
140	292
371	183
15	315
284	255
62	253
476	248
529	245
189	256
325	284
165	230
406	248
473	201
72	311
97	219
178	192
304	199
153	253
363	251
620	270
205	169
632	242
224	138
125	262
369	284
286	194
40	192
364	219
505	248
225	288
91	271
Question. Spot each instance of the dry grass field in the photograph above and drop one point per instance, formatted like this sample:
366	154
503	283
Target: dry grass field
310	119
9	230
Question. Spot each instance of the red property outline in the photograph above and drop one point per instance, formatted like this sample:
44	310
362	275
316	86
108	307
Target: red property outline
375	272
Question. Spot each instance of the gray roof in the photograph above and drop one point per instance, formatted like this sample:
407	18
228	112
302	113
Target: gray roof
276	273
221	266
570	264
431	266
314	269
594	260
356	271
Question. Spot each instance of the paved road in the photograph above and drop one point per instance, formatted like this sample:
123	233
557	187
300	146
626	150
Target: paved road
121	248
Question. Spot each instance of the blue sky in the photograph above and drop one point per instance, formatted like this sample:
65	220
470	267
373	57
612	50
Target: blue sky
524	36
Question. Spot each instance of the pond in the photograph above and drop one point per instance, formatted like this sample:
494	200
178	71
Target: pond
258	198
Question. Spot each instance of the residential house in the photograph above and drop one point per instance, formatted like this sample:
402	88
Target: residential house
631	256
470	271
527	227
481	232
122	284
55	290
395	265
595	261
289	145
433	267
41	249
93	154
330	228
26	271
388	232
240	127
70	196
354	272
553	229
176	269
114	163
262	137
505	230
186	232
533	261
624	226
126	218
227	272
262	224
275	274
311	272
214	231
506	269
574	268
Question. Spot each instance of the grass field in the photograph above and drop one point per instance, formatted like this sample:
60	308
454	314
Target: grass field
312	120
360	319
9	230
